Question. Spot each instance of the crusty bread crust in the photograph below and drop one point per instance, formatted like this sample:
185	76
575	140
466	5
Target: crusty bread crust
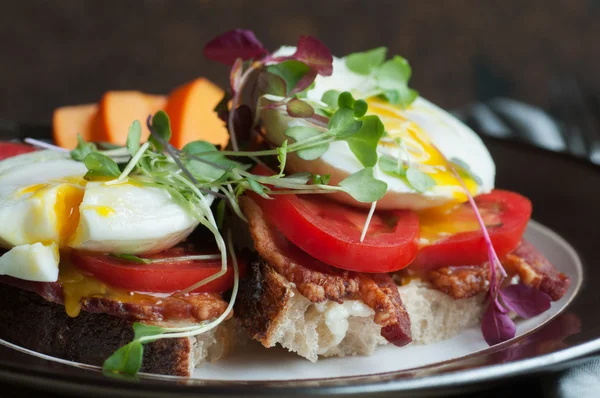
28	320
272	311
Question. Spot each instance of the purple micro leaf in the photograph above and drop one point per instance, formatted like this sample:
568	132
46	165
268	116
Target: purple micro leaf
234	44
235	76
525	300
270	83
314	54
305	82
496	325
298	108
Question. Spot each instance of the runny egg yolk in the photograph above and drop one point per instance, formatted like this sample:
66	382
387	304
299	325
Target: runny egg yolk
78	286
407	141
66	210
440	222
69	193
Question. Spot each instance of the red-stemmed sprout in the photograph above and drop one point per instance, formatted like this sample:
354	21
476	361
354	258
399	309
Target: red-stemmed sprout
239	45
496	325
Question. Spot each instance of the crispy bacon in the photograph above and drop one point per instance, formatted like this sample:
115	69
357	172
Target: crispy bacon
193	307
318	281
459	282
525	261
535	270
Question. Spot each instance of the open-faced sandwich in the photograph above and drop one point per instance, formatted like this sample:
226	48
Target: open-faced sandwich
369	213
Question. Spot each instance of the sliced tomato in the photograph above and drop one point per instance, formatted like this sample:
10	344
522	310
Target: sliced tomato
505	214
9	149
159	277
331	231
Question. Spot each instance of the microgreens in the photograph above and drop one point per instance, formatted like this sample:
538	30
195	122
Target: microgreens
464	168
133	138
99	166
140	260
366	62
420	181
496	324
83	149
298	71
128	359
392	78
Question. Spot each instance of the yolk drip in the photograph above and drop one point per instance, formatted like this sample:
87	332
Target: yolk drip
77	286
66	210
415	143
439	222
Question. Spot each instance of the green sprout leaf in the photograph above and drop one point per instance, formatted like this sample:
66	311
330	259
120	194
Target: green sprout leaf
301	177
162	126
257	187
298	108
346	100
330	97
420	181
363	186
127	359
131	258
282	156
83	149
463	168
366	62
392	78
343	124
141	330
302	133
291	72
133	137
208	152
100	165
364	143
270	83
392	166
321	179
360	108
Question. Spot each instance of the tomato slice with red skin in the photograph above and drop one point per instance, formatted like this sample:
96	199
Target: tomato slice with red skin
159	277
505	214
330	231
10	149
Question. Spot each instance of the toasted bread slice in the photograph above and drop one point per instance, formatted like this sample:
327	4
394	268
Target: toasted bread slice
30	321
273	311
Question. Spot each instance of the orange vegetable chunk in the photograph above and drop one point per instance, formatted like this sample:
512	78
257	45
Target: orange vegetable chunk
68	121
118	109
191	111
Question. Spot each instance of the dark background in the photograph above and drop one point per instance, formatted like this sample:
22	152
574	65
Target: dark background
66	52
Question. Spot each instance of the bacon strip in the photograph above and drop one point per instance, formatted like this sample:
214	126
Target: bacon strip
535	270
526	261
318	281
193	307
459	282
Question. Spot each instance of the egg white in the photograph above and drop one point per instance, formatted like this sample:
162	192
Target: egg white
46	205
448	134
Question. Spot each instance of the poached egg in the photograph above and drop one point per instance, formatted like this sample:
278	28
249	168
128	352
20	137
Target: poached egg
413	134
46	206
